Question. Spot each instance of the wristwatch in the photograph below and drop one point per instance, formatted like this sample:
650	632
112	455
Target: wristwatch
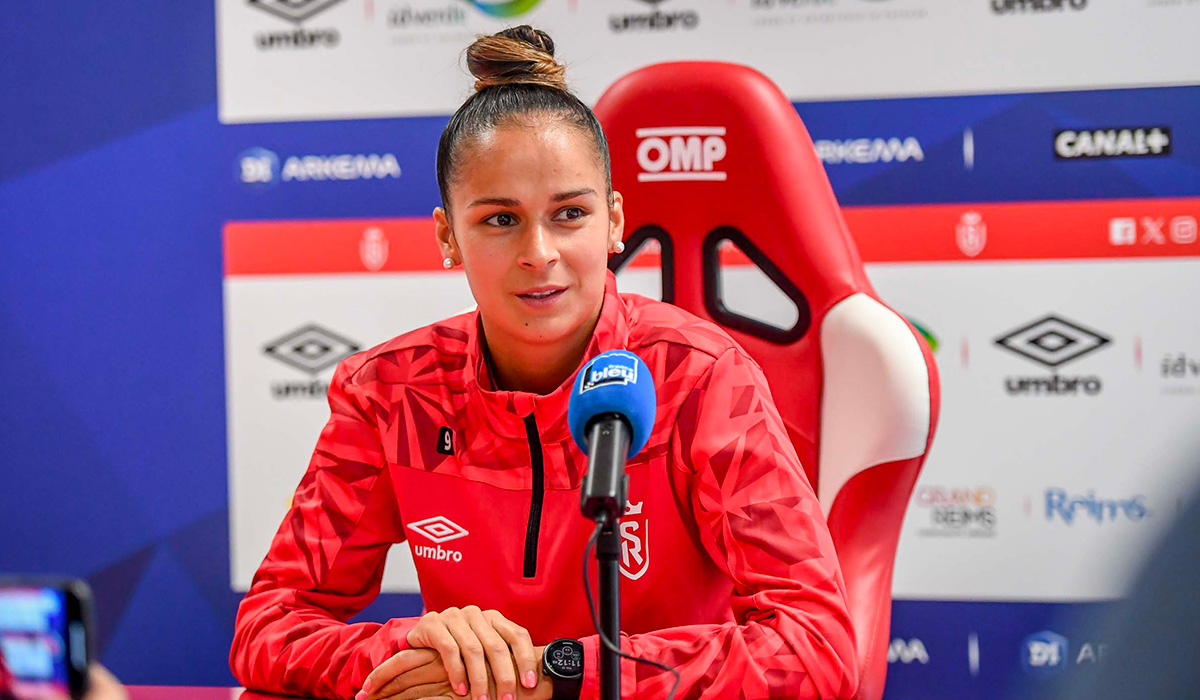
562	663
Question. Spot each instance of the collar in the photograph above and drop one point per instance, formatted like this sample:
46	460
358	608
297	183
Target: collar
505	411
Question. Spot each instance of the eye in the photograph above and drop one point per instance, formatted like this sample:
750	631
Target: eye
570	214
501	219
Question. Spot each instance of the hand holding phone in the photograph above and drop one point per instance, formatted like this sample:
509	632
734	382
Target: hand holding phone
45	646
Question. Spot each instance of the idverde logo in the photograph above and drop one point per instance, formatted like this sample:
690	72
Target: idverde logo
504	8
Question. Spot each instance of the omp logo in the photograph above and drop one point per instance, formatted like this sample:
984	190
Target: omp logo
293	10
504	8
1052	341
862	151
311	348
438	529
681	153
610	372
1044	652
900	651
1070	144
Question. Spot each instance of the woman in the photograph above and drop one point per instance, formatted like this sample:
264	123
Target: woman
454	436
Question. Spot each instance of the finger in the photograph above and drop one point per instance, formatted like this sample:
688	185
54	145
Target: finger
518	640
499	656
471	648
420	691
433	672
447	647
396	665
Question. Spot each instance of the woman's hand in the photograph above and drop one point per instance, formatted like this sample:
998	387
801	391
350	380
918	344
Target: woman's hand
419	674
469	642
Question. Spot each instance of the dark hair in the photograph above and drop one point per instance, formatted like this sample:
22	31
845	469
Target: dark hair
516	75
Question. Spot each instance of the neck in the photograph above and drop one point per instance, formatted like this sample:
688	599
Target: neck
537	369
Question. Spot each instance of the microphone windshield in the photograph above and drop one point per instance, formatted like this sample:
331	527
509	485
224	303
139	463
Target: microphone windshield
617	382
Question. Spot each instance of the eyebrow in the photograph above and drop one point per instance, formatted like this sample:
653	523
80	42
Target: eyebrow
572	194
510	202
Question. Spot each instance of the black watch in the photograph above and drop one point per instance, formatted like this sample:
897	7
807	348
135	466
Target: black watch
562	663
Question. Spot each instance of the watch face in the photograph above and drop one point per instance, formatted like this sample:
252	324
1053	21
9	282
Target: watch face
565	658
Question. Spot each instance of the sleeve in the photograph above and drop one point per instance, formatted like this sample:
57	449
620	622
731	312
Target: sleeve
324	566
759	520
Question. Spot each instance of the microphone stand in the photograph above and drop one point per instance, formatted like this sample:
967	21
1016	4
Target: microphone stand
603	501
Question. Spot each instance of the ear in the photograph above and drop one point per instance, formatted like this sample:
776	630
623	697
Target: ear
445	237
616	219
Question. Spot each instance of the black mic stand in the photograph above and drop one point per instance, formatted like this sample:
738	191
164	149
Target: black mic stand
603	501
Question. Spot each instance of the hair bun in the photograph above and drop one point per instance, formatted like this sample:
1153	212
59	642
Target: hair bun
520	55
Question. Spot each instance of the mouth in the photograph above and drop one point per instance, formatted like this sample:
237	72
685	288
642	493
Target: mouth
542	296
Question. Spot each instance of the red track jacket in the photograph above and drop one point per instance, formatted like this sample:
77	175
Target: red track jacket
729	572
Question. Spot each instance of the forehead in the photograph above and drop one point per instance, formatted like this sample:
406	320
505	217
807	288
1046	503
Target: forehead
527	158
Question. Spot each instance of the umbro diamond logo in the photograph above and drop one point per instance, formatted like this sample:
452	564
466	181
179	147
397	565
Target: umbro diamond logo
311	348
438	529
293	10
1052	341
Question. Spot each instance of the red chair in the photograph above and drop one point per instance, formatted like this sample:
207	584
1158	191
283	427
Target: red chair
708	154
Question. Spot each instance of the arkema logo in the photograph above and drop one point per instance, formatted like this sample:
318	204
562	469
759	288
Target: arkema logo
259	166
869	150
1131	142
1044	653
1052	341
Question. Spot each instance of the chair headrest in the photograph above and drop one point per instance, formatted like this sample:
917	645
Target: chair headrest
701	145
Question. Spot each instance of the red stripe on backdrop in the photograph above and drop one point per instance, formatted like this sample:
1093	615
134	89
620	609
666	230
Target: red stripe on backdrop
330	246
1134	228
1113	229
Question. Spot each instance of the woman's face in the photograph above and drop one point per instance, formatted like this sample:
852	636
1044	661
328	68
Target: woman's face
530	223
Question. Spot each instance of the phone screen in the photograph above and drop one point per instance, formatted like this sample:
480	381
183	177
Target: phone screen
36	635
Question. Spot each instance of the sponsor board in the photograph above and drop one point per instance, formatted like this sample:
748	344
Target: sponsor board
1127	142
652	18
957	511
860	151
1052	341
261	167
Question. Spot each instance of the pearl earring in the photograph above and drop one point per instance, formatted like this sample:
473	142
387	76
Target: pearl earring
447	263
619	247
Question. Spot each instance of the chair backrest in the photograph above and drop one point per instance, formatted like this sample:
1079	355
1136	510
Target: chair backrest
712	154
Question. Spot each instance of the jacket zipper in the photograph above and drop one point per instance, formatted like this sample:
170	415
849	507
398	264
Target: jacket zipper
535	505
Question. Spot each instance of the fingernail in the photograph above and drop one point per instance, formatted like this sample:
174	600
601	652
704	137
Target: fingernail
482	697
507	696
361	694
461	689
530	679
368	686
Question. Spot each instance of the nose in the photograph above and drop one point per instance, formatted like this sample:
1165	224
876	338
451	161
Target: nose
538	247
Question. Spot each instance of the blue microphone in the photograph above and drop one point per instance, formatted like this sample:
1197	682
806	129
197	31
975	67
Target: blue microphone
611	414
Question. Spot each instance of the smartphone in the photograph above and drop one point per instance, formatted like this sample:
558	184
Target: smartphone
45	643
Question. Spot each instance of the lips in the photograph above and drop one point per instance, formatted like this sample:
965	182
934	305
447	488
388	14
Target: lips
542	296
